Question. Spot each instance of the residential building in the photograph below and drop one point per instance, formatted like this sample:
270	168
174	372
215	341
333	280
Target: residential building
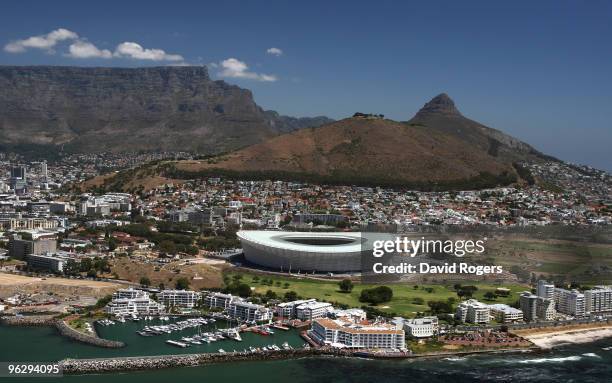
546	309
536	308
179	298
219	300
473	311
354	315
529	306
545	289
570	302
505	314
425	327
598	300
312	310
345	334
249	312
130	293
137	306
287	310
20	248
49	261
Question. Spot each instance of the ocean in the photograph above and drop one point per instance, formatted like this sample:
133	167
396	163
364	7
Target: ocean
572	363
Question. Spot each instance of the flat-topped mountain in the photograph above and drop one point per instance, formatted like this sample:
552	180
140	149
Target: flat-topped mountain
83	109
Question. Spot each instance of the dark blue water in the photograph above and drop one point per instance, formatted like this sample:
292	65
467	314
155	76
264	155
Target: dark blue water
572	363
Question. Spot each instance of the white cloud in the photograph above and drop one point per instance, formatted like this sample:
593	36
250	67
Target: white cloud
136	51
235	68
45	42
81	49
274	51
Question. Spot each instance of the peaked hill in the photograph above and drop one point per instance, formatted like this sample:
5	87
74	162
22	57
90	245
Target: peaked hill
437	149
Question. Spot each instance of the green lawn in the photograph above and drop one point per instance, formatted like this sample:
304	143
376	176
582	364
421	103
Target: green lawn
403	294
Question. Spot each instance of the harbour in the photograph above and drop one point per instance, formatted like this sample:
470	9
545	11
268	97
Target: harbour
585	362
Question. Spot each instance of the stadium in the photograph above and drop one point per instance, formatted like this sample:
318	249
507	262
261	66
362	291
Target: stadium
303	251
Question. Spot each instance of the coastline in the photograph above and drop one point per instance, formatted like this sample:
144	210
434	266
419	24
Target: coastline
550	337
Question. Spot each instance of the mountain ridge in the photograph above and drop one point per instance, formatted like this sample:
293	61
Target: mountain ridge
93	109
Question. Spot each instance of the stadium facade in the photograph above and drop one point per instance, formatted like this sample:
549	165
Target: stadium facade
303	251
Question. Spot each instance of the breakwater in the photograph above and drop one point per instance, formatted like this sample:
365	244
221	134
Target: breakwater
61	327
89	366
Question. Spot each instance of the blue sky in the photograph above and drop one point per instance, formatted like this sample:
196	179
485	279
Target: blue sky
541	71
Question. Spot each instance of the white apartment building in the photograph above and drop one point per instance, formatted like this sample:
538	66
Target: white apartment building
546	309
598	300
536	308
505	314
129	293
546	289
312	310
219	300
473	311
179	298
345	334
287	310
354	315
249	312
570	302
137	306
425	327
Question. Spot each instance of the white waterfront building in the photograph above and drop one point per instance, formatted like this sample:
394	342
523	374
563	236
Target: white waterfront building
598	300
570	302
287	310
505	314
130	293
312	310
473	311
345	334
219	300
249	312
136	306
546	289
425	327
179	298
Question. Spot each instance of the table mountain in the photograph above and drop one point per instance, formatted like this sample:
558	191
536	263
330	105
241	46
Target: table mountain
132	109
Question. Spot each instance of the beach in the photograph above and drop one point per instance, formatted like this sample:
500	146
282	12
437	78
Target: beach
552	337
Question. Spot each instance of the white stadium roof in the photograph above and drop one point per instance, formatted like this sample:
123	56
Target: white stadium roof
315	242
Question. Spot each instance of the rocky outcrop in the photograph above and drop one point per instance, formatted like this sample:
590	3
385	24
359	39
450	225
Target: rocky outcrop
83	109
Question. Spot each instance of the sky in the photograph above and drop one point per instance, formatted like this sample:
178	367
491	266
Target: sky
540	71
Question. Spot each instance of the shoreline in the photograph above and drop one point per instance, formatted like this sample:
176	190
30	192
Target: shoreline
550	339
139	363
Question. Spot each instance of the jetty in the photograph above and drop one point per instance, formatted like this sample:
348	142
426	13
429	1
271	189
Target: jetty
100	365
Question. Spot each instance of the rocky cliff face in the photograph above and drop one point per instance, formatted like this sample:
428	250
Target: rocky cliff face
130	109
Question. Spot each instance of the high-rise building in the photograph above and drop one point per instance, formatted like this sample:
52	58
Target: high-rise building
570	302
473	311
598	300
18	179
20	248
546	289
529	306
536	308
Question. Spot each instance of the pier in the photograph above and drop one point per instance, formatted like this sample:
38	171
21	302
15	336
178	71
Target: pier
100	365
